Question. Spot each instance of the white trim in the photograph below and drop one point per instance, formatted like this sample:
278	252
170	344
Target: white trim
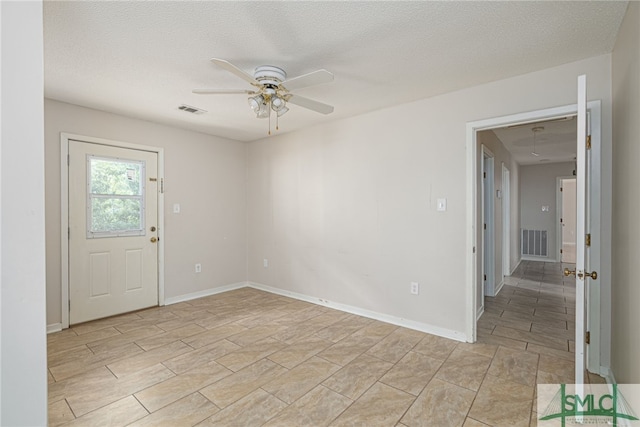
205	293
54	327
499	287
607	373
64	212
488	206
399	321
537	258
506	223
480	313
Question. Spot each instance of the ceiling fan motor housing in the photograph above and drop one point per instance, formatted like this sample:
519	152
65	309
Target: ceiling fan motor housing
270	75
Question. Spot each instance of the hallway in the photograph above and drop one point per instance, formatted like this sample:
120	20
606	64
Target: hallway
534	311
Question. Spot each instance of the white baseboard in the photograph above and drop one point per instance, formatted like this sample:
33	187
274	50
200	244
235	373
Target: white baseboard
394	320
54	327
516	267
538	258
480	313
205	293
608	375
500	285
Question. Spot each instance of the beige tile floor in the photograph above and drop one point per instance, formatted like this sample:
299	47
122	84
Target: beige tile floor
250	358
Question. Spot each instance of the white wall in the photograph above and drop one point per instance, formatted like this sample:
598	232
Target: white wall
346	211
625	338
206	175
538	186
23	358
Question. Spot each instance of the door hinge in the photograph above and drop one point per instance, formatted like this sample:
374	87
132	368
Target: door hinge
485	226
561	189
484	174
485	277
587	239
560	220
587	337
588	142
560	250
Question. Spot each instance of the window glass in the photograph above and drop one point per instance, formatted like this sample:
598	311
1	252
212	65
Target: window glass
115	200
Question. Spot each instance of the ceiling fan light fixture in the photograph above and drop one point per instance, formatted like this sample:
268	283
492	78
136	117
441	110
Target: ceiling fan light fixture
535	131
277	103
263	111
282	111
256	102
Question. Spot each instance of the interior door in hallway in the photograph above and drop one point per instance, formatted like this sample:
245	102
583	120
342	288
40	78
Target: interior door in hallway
568	220
113	214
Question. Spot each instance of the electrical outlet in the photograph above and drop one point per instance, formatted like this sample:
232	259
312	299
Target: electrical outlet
415	288
265	263
198	268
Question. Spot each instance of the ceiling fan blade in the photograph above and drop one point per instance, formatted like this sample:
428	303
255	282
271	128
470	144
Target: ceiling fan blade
310	79
222	91
316	106
235	70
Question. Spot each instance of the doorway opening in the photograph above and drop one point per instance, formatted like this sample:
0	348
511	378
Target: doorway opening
567	219
488	231
475	212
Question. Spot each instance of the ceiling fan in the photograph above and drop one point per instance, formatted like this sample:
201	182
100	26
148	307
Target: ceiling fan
272	89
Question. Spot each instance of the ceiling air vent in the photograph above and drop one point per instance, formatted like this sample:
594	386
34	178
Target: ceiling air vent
190	109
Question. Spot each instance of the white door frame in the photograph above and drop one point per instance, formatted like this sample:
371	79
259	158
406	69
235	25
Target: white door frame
472	218
506	220
488	218
64	217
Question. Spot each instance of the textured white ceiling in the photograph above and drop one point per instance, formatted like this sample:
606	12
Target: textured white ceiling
555	143
142	59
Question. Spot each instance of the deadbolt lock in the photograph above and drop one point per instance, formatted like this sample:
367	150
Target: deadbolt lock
153	228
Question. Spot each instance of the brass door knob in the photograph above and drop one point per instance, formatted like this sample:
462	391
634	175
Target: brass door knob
154	239
568	272
593	275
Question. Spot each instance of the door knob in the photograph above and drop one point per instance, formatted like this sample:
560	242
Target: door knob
153	239
153	228
593	275
568	272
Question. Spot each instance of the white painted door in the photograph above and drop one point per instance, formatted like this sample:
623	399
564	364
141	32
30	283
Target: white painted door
582	229
568	220
113	214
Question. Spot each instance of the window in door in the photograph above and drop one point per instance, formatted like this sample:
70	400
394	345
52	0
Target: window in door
115	198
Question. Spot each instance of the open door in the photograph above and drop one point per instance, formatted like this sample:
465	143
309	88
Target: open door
583	238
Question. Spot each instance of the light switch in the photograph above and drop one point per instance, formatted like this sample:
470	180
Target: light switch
545	209
176	208
441	205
